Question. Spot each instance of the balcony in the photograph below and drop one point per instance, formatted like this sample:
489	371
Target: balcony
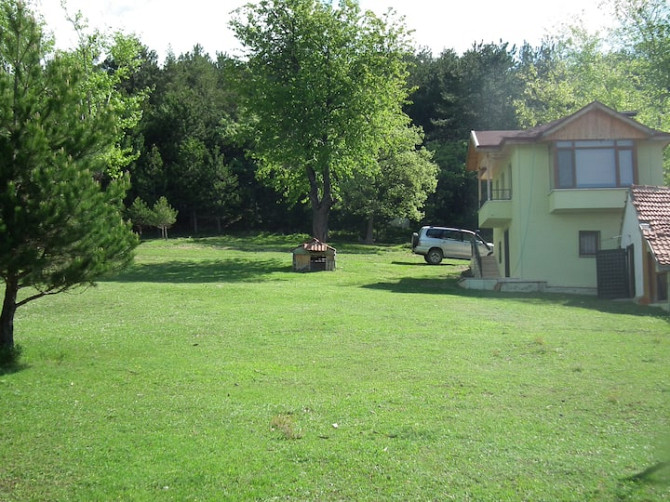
496	211
496	194
592	199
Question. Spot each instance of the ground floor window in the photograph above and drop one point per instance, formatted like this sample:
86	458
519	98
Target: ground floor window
589	242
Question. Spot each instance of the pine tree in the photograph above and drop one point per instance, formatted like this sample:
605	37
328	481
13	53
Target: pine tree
140	214
59	227
163	216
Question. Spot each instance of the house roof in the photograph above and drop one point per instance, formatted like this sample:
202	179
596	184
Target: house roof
496	139
314	246
652	204
491	141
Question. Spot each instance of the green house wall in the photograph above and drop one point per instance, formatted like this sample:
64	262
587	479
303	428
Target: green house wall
544	244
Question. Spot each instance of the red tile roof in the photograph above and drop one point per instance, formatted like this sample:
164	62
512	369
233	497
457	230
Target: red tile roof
652	204
316	246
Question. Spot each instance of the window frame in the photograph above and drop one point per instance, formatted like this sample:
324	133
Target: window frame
583	235
572	147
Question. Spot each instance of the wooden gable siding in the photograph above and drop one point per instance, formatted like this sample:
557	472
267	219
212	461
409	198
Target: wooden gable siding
596	125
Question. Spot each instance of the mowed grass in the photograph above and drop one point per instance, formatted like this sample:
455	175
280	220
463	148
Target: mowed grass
211	371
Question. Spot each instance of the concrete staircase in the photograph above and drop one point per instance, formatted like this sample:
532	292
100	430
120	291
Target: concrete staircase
487	277
489	268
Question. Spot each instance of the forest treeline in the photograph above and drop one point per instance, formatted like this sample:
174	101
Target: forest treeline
187	139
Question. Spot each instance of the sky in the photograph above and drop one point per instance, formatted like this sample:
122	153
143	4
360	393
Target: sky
178	25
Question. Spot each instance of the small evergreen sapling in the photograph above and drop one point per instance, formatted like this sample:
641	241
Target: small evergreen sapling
164	216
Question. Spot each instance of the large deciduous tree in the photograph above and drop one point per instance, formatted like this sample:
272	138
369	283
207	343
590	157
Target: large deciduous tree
325	84
645	34
572	70
59	227
107	62
399	188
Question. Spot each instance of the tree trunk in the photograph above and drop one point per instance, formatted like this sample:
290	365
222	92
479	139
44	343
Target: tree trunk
369	233
194	221
320	222
7	315
320	206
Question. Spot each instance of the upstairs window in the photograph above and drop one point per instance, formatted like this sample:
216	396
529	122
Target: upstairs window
594	164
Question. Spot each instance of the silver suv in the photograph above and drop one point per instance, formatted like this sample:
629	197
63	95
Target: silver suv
436	243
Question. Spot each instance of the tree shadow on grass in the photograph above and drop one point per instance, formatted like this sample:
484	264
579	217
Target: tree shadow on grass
10	369
362	249
250	244
449	286
232	270
284	244
10	360
413	285
424	264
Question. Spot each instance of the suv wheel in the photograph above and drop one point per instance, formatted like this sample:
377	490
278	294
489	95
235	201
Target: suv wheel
434	256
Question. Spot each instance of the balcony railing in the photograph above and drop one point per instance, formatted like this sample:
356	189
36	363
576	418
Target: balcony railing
496	194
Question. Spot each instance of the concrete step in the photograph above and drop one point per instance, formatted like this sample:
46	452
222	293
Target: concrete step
489	267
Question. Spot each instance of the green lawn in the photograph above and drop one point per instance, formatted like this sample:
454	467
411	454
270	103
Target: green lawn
211	371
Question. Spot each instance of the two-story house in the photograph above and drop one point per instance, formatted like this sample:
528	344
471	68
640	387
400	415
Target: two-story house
554	195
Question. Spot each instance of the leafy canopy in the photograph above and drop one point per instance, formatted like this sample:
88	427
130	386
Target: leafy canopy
325	84
401	185
627	68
